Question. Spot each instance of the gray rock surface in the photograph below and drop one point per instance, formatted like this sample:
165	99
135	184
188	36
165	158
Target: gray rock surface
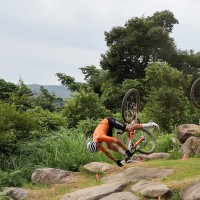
95	193
192	192
121	196
154	156
191	146
185	131
15	193
151	189
98	166
52	176
138	173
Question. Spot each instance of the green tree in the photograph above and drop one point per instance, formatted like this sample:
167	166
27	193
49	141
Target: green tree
188	61
167	103
5	89
21	97
94	78
46	100
69	82
139	42
83	105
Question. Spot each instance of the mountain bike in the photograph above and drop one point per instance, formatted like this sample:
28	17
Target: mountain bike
138	140
195	93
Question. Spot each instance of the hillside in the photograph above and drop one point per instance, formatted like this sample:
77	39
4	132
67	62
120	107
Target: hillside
59	90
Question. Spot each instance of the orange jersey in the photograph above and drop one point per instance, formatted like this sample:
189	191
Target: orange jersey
101	131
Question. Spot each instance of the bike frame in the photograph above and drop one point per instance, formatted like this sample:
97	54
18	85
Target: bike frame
130	137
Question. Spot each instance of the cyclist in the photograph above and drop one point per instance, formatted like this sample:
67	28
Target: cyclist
104	133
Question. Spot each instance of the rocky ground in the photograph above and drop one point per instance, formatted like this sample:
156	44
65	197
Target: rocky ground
131	182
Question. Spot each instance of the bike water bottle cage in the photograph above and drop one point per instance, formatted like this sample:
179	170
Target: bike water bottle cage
92	147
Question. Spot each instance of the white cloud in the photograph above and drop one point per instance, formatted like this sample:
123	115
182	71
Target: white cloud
39	38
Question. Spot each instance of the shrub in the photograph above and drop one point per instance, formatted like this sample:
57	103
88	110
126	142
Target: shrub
81	106
167	103
165	144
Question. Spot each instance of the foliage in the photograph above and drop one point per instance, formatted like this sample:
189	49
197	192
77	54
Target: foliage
188	61
87	126
17	126
81	106
14	126
112	96
14	178
166	101
46	100
45	121
140	41
19	95
64	150
94	78
5	89
69	82
165	143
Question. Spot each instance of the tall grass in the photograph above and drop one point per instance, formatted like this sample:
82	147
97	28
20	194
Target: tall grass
65	149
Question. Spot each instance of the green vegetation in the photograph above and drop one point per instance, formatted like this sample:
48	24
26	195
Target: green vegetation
45	131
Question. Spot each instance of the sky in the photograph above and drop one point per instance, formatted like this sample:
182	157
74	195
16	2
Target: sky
39	38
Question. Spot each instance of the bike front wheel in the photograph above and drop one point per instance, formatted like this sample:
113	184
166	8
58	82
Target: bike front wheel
130	105
195	93
146	146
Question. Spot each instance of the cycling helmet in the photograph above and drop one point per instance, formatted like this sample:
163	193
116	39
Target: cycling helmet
92	147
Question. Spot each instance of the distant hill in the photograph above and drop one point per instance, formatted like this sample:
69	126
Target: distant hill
59	90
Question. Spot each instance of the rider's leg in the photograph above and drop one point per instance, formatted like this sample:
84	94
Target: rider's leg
105	138
113	147
130	128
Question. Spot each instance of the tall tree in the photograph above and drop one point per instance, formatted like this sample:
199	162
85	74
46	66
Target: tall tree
139	42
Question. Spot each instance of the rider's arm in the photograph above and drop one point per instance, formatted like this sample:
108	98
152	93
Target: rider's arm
107	153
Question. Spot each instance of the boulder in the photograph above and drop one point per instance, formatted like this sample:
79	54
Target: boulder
15	193
138	173
191	146
151	189
96	192
185	131
98	166
192	192
154	156
52	176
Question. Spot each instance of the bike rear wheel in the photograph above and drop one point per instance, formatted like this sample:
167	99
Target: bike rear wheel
195	93
130	105
147	146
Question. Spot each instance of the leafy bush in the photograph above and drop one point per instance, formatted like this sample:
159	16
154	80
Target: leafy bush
165	144
45	121
17	126
81	106
166	102
87	126
13	178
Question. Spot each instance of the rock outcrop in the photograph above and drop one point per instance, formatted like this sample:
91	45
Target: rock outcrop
185	131
132	183
191	146
192	192
97	192
52	176
151	189
134	174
